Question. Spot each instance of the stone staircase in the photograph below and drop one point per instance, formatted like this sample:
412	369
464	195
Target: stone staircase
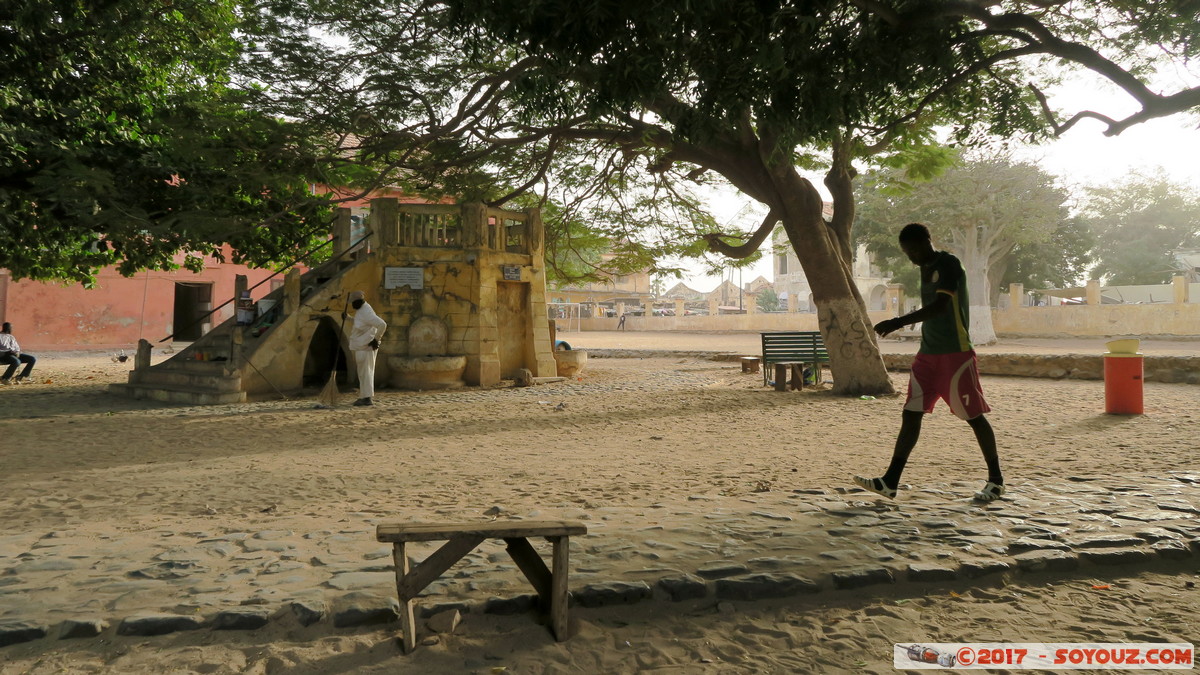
209	371
186	382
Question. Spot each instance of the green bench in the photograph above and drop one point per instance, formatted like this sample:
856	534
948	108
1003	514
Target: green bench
792	350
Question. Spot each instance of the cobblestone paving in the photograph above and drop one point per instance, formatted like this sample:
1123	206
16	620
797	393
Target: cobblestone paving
770	543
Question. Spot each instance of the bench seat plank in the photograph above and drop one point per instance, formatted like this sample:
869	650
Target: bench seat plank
401	532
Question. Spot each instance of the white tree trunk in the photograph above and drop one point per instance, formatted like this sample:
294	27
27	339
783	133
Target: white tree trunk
975	266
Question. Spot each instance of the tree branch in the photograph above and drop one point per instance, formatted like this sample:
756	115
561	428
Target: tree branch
751	245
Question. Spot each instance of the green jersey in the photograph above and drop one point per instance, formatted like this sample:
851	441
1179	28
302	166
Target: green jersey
945	333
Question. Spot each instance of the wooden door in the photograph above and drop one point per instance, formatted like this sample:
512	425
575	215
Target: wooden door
512	317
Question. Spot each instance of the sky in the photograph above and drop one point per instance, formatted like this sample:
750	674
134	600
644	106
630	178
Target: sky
1083	156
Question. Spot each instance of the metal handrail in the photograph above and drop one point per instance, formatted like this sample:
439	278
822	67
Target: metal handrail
277	273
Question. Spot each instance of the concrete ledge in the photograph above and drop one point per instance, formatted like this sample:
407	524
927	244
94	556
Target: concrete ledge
1178	369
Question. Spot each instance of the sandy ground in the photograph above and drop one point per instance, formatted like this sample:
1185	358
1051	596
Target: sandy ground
633	434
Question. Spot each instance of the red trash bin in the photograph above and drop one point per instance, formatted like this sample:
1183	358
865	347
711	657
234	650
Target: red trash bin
1123	384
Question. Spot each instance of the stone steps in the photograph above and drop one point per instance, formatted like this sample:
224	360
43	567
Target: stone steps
213	377
177	393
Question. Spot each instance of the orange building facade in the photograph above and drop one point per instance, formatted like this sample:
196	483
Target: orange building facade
120	310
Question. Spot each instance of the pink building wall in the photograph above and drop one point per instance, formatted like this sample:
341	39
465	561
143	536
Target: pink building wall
118	311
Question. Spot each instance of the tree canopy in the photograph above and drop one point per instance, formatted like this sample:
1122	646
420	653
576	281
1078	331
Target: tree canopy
632	107
645	101
1138	223
121	142
980	209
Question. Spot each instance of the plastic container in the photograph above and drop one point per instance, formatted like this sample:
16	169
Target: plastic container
1123	369
1127	346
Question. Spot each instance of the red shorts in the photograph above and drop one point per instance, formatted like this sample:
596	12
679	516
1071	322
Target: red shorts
954	377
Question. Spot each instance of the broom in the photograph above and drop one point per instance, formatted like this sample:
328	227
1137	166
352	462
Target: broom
329	395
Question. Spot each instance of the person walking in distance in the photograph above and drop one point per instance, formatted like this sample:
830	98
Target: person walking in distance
11	355
364	342
945	366
621	323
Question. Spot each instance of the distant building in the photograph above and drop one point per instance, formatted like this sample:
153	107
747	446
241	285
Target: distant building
119	310
1187	261
682	290
757	285
726	294
602	298
790	279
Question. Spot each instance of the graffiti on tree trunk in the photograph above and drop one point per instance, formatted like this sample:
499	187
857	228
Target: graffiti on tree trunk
849	338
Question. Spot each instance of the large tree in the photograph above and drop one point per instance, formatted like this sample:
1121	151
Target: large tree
1138	223
652	96
122	143
978	209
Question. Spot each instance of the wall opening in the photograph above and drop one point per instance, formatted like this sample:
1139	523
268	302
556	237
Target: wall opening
192	301
325	355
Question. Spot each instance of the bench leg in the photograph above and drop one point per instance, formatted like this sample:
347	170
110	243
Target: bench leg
408	627
781	371
530	563
558	588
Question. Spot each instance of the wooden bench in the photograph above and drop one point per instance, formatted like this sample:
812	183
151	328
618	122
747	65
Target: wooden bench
461	539
805	347
782	368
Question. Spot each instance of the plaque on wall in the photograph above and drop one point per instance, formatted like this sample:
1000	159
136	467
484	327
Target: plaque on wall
512	272
398	277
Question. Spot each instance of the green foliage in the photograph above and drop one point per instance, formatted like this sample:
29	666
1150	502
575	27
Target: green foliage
768	300
613	111
800	69
121	143
1059	262
1138	222
1007	215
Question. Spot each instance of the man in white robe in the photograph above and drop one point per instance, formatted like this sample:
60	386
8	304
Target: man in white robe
364	343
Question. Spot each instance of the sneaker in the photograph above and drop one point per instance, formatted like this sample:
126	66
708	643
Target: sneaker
990	492
364	401
875	485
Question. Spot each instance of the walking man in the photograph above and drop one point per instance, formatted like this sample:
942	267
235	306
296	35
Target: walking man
10	355
364	342
945	366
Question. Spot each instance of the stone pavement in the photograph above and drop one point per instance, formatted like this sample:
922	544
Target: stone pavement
749	547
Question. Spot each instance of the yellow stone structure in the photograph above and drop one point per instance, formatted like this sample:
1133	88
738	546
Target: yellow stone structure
462	288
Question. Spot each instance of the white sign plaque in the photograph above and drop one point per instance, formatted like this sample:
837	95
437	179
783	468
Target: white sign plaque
398	277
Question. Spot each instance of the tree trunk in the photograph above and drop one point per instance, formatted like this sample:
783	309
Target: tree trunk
975	266
857	367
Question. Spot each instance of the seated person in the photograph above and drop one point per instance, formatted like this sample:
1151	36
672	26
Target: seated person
10	354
